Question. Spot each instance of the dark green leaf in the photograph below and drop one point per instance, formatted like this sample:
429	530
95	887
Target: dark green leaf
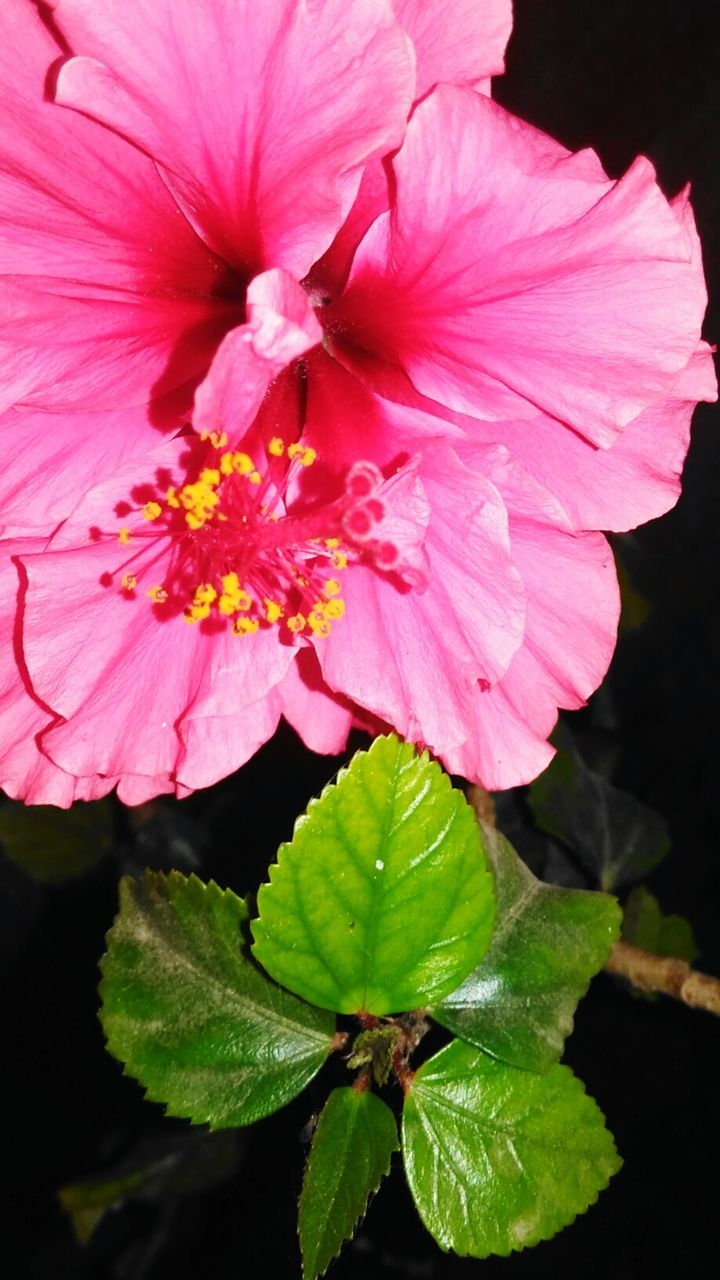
192	1019
351	1151
518	1004
615	837
159	1169
498	1158
382	901
644	925
54	844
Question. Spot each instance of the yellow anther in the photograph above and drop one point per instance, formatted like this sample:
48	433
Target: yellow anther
151	511
332	543
230	583
197	612
128	582
335	609
204	594
318	623
255	477
304	455
158	595
124	535
273	611
226	463
332	587
195	522
245	626
171	497
218	439
276	447
339	560
296	623
243	464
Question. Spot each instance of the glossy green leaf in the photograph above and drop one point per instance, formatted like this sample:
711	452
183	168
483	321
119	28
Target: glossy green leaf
644	925
548	942
382	901
54	844
498	1158
191	1017
351	1152
615	837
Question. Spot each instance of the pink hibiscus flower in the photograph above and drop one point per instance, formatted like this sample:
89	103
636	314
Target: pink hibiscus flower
204	591
494	351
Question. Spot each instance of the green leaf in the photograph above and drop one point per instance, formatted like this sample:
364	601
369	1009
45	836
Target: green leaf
498	1158
160	1169
351	1152
87	1203
383	900
615	837
54	844
644	925
192	1019
548	942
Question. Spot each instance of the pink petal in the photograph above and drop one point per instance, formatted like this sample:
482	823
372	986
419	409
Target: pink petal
322	719
215	746
84	352
47	466
572	612
429	648
124	680
231	100
514	276
26	773
635	480
105	275
456	41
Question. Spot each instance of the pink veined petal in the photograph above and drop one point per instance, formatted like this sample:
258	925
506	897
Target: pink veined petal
123	682
234	114
429	648
635	480
133	789
215	746
329	274
572	612
322	719
26	773
51	460
345	420
103	275
80	352
516	277
121	677
456	41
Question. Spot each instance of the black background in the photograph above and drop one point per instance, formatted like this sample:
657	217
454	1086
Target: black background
627	77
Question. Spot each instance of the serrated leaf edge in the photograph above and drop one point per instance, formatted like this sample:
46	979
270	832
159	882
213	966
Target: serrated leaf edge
129	1070
372	1191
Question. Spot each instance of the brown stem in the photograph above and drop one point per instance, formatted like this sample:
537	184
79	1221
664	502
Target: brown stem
482	802
667	974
